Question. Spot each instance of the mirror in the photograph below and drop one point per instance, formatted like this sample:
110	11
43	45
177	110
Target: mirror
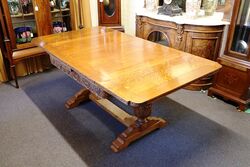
158	37
221	2
242	29
109	7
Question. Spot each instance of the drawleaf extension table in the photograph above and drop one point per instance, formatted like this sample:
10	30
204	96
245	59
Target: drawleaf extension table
108	63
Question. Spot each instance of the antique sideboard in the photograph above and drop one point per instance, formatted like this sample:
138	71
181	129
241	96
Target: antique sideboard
200	36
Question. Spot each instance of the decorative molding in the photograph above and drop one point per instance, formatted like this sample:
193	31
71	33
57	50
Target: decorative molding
83	80
139	27
179	37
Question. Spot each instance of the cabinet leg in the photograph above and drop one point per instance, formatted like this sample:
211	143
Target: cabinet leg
242	107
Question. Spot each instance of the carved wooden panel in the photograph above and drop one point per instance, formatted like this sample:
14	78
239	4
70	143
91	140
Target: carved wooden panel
203	45
232	81
229	78
81	79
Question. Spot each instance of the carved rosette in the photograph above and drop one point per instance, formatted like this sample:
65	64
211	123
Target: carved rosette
179	37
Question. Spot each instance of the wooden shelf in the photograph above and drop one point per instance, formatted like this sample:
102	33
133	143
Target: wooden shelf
25	45
21	15
58	10
23	21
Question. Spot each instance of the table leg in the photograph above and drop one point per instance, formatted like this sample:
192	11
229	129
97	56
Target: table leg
79	97
142	126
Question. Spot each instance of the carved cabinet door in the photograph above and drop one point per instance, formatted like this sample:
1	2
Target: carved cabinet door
109	12
203	44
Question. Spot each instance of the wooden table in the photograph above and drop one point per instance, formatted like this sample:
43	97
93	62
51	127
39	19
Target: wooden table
135	71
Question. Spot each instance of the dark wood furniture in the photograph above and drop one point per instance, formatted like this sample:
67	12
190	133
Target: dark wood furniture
200	40
109	12
233	80
141	72
37	18
14	55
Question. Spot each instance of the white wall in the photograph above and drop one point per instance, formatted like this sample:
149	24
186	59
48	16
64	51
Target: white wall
93	12
128	12
128	9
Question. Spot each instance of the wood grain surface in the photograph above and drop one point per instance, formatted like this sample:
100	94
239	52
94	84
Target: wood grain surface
127	67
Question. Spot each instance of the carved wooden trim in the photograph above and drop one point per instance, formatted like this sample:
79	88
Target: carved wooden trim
142	112
83	80
160	24
179	37
139	27
202	31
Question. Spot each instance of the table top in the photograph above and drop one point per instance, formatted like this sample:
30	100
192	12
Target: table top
133	69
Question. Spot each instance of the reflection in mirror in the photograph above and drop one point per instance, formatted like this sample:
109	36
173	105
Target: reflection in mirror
109	7
221	2
242	29
158	37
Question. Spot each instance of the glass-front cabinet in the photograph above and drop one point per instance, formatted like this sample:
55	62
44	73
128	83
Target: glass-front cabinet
232	82
238	39
32	18
23	20
61	16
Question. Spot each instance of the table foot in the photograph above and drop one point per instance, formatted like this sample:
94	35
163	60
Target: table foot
80	96
134	132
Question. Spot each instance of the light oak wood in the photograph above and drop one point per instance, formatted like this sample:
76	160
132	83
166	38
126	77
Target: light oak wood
113	110
132	69
135	71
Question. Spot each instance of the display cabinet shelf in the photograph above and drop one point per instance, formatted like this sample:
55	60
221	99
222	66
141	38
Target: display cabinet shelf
58	10
22	15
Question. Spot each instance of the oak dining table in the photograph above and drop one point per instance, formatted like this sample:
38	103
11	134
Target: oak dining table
110	64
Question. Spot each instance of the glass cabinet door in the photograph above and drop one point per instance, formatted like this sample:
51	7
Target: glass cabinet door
109	7
240	40
23	20
61	15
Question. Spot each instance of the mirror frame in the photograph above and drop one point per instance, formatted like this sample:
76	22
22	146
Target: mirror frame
230	36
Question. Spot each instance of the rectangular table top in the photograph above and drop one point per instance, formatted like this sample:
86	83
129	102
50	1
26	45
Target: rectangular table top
133	69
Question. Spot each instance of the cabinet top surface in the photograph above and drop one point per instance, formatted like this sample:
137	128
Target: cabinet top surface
214	20
130	68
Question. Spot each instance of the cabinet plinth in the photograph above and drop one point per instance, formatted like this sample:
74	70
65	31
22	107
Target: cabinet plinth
232	81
